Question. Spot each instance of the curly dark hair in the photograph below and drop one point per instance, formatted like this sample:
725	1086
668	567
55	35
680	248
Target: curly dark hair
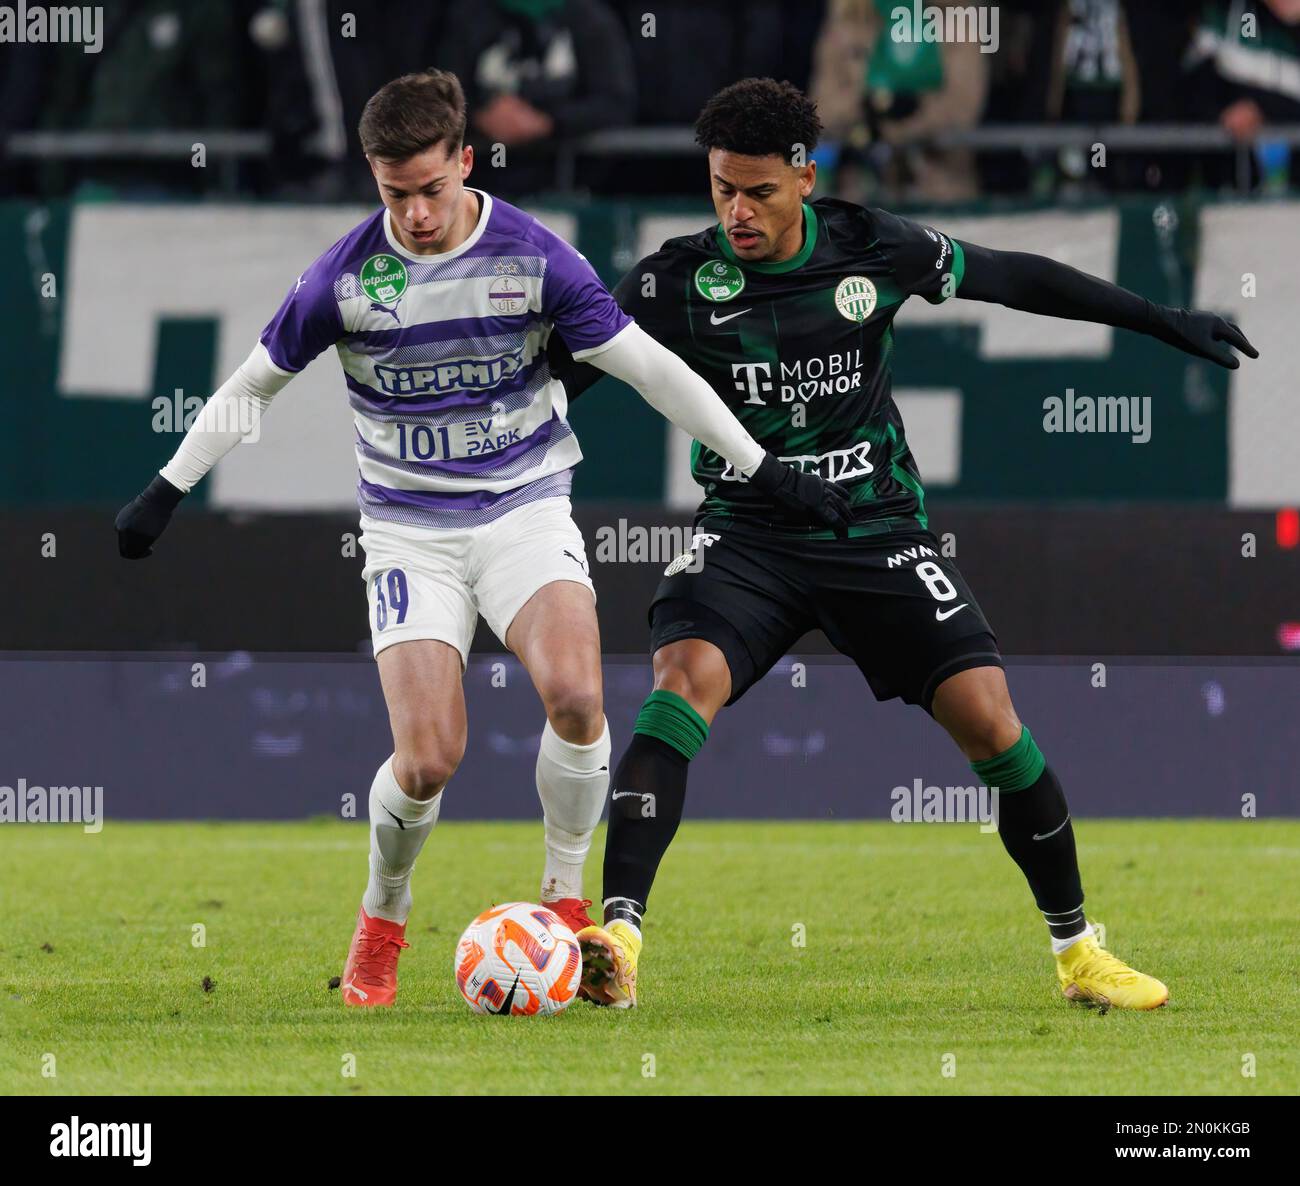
759	117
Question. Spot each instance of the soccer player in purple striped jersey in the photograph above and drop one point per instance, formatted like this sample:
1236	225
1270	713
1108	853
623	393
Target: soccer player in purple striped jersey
440	307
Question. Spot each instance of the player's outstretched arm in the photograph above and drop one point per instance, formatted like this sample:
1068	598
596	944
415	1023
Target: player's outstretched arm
675	391
1038	284
232	412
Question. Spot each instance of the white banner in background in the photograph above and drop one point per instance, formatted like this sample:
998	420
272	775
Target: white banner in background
1264	415
130	265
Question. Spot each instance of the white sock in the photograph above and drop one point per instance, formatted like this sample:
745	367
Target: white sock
1060	945
572	781
399	826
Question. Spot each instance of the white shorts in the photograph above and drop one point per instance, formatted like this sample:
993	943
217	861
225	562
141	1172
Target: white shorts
429	583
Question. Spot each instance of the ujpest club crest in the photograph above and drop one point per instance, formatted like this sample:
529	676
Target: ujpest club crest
507	295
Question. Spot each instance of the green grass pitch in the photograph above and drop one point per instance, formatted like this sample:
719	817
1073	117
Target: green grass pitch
920	942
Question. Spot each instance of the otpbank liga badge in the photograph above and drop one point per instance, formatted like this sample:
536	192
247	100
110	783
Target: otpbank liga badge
718	280
383	278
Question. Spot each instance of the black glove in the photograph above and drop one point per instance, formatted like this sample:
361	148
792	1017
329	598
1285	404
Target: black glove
142	520
823	501
1203	334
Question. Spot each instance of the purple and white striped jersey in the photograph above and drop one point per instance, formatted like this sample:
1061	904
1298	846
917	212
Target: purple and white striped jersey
458	417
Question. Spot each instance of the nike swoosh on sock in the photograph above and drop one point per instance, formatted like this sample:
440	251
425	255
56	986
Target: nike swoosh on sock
1047	835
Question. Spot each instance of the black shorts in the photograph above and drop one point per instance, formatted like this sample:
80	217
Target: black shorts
892	603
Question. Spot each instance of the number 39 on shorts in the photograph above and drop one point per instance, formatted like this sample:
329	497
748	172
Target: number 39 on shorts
390	595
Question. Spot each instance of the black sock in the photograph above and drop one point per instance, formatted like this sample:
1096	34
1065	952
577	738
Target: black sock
647	795
1035	828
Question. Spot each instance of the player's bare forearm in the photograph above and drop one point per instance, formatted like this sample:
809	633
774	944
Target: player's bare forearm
1037	284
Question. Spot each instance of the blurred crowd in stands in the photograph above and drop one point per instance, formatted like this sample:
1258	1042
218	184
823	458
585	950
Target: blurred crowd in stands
543	74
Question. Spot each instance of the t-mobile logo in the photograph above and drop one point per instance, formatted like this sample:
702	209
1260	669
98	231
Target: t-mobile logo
752	379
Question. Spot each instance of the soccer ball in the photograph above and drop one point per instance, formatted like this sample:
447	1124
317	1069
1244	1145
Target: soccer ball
518	958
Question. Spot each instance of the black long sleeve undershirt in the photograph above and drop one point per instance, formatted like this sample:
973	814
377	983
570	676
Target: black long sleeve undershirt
1037	284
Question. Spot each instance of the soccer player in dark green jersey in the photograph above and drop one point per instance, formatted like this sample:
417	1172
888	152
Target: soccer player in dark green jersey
786	307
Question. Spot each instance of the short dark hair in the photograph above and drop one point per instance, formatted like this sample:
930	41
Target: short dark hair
759	117
413	113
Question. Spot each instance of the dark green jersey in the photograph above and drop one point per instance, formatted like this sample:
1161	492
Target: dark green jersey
802	352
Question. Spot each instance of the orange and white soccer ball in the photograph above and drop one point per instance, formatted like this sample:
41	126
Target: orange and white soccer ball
518	958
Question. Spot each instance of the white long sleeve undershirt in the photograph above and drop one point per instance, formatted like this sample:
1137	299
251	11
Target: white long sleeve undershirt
675	391
230	415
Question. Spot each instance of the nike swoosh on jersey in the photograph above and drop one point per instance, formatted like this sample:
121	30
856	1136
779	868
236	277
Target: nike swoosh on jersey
714	319
943	616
